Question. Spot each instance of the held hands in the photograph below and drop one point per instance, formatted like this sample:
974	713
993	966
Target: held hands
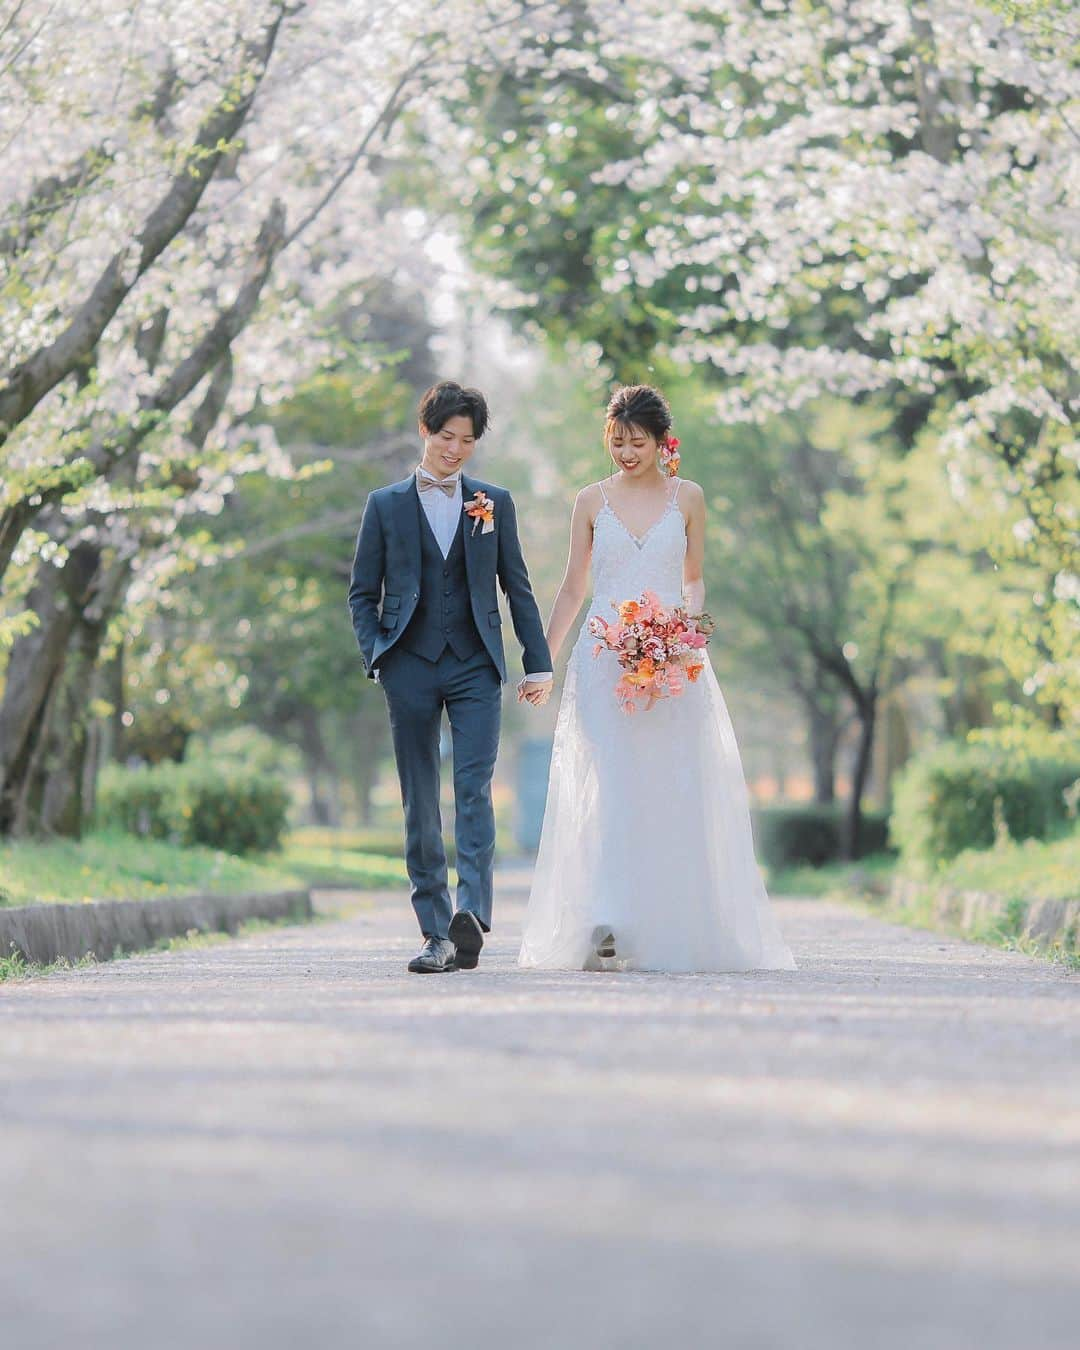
536	692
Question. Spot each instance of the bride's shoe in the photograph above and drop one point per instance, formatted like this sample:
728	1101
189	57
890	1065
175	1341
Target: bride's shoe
601	949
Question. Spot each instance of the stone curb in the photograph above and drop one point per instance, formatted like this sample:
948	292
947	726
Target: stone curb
1046	921
47	933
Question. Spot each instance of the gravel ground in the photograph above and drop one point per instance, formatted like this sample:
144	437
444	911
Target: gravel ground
287	1141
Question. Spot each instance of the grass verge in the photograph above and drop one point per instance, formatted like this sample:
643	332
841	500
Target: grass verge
324	865
15	967
868	878
1048	869
1004	930
1016	873
111	865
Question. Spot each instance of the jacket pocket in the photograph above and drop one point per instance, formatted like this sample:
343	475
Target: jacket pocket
494	619
388	619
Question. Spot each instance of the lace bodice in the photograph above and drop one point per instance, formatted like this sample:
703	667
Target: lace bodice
623	565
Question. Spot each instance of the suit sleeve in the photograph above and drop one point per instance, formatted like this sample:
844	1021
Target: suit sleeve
514	579
365	586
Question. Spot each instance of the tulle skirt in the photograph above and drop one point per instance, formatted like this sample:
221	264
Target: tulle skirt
647	830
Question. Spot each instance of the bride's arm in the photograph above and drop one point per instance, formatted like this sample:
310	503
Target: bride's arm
575	580
693	567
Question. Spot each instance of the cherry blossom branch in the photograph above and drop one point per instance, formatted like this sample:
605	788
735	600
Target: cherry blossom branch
104	457
22	388
388	115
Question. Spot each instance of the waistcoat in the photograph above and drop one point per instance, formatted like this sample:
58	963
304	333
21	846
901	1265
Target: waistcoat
443	616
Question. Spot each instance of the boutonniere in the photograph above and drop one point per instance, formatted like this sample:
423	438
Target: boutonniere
481	508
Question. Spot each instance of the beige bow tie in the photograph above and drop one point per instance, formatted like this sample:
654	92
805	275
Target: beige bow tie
447	485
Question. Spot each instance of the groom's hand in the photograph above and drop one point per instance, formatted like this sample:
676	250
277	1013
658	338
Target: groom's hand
536	692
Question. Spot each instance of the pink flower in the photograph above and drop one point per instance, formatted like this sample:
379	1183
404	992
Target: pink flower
656	649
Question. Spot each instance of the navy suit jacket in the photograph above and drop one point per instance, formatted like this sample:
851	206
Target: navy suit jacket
385	584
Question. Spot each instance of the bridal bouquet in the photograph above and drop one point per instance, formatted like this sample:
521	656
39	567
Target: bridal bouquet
659	648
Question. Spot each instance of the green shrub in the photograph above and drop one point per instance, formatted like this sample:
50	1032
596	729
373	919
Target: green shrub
195	804
786	836
138	801
965	796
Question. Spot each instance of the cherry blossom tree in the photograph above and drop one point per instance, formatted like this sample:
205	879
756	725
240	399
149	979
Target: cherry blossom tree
856	198
191	185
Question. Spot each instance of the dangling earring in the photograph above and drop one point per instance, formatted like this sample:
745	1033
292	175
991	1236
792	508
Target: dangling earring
669	455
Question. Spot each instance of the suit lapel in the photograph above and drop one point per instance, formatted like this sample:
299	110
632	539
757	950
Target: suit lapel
407	518
469	538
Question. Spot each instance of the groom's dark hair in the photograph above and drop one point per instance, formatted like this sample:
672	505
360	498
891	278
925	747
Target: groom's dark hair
448	399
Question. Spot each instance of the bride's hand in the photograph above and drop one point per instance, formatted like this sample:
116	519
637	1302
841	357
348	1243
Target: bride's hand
535	692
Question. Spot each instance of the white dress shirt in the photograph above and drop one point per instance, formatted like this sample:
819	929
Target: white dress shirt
443	513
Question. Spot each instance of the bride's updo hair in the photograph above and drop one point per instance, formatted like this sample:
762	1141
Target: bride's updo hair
638	405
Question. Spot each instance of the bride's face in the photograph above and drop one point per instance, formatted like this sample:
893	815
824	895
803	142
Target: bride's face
633	450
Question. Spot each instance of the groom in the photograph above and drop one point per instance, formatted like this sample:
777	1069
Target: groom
426	615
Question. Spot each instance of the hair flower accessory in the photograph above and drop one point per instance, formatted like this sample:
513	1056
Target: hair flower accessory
481	508
669	455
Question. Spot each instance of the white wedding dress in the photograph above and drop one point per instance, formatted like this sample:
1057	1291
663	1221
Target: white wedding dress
647	825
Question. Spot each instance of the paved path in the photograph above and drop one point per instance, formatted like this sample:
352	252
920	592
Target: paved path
286	1141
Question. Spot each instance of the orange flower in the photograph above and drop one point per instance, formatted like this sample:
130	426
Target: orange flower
694	671
629	611
481	509
644	673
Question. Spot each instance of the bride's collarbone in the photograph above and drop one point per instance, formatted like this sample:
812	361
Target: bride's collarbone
638	515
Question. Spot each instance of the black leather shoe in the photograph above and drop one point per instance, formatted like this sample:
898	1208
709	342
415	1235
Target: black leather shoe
434	957
467	937
602	952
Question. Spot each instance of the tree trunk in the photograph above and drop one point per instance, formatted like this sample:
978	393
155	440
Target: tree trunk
824	739
370	733
50	795
103	732
36	666
316	765
851	835
47	692
780	769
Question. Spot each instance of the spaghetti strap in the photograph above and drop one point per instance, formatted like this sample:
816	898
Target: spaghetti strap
603	494
675	491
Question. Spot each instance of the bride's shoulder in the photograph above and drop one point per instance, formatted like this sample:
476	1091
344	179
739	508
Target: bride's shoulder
590	498
690	493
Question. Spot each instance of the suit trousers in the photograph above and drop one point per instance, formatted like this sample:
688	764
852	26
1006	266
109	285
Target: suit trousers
470	690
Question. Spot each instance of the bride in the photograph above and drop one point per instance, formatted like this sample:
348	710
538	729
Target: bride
646	858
